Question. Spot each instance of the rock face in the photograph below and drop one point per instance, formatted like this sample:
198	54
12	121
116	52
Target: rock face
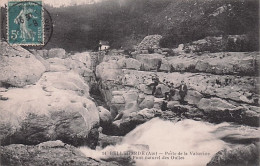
52	53
18	66
234	88
51	106
222	86
233	63
129	63
57	107
42	53
106	140
125	125
57	52
149	61
80	63
47	153
214	104
246	155
232	43
105	117
147	102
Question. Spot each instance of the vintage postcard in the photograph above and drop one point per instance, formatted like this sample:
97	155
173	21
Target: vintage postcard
129	83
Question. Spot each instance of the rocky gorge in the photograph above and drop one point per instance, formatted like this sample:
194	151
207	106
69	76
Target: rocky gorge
53	102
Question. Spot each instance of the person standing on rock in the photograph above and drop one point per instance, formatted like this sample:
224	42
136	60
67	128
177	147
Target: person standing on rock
159	65
171	93
155	82
99	45
158	93
182	91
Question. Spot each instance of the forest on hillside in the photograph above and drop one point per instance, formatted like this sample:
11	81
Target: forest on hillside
124	23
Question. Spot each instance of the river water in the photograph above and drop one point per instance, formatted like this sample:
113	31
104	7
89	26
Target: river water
184	143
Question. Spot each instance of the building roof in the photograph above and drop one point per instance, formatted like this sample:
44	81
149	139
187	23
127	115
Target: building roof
102	42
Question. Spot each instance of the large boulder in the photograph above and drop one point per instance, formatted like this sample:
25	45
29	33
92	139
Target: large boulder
43	53
148	102
118	100
183	111
214	104
129	109
131	96
219	110
107	140
57	52
232	43
192	97
129	122
129	63
47	153
104	116
240	156
149	61
57	107
234	63
57	65
108	70
52	53
151	41
81	67
182	63
18	67
80	63
229	63
211	44
43	61
84	58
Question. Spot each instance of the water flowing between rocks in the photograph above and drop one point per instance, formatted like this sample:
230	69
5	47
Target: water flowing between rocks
184	143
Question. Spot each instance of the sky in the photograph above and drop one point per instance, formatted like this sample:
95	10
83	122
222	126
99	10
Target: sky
58	3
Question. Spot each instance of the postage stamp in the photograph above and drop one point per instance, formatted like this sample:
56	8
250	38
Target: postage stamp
25	23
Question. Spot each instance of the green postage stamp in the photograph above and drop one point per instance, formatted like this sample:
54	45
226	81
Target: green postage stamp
25	23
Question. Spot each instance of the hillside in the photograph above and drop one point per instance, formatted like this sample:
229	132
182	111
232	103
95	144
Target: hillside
125	22
195	19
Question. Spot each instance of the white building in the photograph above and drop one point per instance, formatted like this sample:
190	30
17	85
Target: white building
103	45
